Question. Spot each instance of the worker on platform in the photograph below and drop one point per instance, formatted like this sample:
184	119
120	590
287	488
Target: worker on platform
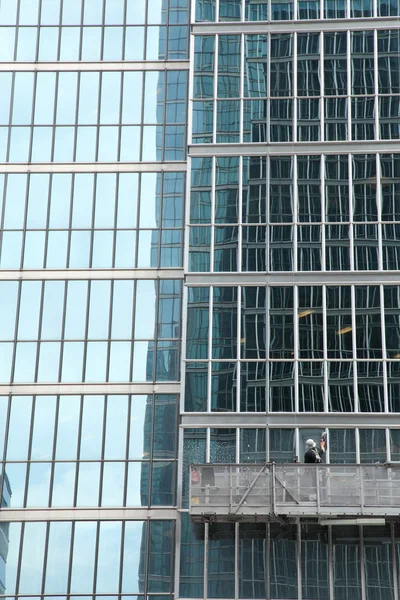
313	453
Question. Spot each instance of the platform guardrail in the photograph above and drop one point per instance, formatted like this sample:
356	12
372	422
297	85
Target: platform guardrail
226	492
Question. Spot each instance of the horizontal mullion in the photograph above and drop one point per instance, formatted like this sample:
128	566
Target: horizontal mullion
86	274
98	167
123	65
290	420
290	278
306	26
66	389
86	514
294	148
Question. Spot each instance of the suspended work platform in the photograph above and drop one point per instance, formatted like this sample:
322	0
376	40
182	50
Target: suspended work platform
258	492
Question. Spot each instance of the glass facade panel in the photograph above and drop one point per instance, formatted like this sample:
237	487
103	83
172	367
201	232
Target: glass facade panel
283	136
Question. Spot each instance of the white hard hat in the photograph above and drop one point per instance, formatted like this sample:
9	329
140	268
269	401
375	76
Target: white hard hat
310	443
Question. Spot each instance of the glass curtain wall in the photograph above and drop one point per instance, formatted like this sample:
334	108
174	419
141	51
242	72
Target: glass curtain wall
93	145
292	302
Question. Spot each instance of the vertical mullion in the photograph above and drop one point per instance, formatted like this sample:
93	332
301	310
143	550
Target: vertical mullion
3	450
241	86
213	182
351	218
295	215
103	446
3	202
298	547
28	181
362	563
236	559
151	462
294	84
96	555
103	20
45	556
32	123
10	118
134	290
379	209
76	124
323	212
238	346
28	466
268	100
216	48
394	563
388	445
53	125
190	91
267	349
296	350
14	351
205	571
322	80
349	73
110	315
267	212
240	208
126	469
183	361
324	325
384	354
19	560
210	327
357	441
376	83
330	563
353	333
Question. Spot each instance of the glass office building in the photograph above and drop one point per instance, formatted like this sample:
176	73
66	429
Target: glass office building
199	262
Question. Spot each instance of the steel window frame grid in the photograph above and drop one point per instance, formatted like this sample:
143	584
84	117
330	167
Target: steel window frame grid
295	224
322	96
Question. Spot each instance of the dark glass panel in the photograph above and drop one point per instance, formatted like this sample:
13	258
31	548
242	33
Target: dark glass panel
378	563
253	377
252	446
227	190
314	562
253	322
308	67
281	386
281	324
311	386
221	561
281	65
368	322
192	559
223	386
340	387
370	386
252	560
372	446
224	328
346	563
196	387
198	323
310	322
281	445
283	562
342	446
